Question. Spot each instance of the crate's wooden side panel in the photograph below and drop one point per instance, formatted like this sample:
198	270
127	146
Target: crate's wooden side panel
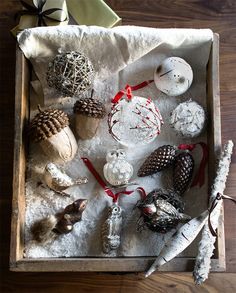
214	141
139	264
21	119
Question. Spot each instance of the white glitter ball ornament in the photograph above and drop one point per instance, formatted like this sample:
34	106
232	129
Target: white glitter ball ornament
173	76
188	119
134	122
117	170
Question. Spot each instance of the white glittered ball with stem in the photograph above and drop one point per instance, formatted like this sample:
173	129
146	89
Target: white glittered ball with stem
173	76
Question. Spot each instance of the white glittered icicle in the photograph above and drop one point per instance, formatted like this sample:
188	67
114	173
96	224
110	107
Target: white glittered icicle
206	245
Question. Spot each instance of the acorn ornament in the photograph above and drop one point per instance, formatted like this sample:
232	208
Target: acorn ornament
48	229
70	73
183	172
188	119
160	211
117	171
50	128
173	76
88	114
158	160
58	180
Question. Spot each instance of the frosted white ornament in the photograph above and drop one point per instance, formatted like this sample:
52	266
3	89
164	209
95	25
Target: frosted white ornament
134	122
188	119
58	180
117	171
173	76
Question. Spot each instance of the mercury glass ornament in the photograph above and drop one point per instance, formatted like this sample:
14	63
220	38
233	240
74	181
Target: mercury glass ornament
134	122
161	212
111	229
173	76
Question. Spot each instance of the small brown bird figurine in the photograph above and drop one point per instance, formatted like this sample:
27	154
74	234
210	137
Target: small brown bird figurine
48	229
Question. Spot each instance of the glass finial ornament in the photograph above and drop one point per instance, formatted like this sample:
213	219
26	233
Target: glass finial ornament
173	76
134	120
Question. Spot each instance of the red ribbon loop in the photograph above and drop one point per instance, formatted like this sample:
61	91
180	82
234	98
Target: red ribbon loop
108	191
199	178
128	91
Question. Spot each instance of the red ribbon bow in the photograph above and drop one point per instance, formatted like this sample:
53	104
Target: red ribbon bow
128	91
199	178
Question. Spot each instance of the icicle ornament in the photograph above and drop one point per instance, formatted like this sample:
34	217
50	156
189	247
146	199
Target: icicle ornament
206	245
134	122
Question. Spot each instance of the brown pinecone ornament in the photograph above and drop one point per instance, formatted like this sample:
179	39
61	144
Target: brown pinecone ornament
88	114
183	172
50	128
160	159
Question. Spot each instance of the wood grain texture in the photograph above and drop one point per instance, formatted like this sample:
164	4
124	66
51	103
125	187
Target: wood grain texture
220	16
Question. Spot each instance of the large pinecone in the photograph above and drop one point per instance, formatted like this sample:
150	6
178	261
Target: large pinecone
47	123
183	172
160	159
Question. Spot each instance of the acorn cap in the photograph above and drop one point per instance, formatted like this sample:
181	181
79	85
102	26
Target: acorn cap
90	107
47	123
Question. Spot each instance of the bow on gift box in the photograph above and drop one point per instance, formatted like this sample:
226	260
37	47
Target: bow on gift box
41	9
41	12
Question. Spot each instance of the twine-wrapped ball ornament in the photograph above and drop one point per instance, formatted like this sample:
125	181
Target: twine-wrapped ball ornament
88	114
173	76
70	73
50	128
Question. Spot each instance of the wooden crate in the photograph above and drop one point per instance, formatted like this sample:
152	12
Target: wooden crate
124	264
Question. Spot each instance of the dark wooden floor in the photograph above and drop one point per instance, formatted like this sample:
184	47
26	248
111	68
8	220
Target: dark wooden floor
220	16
